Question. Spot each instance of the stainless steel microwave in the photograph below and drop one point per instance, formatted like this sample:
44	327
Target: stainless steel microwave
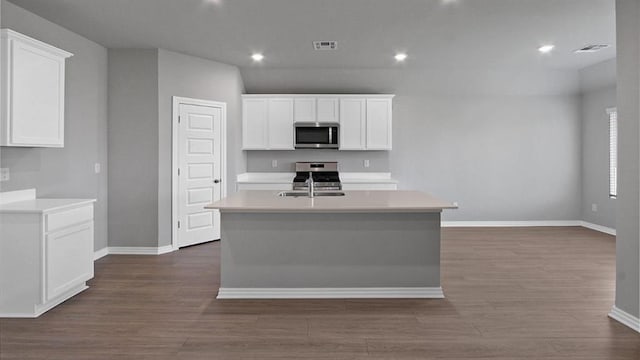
317	135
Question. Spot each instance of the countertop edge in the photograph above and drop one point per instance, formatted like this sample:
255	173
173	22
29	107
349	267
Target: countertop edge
71	204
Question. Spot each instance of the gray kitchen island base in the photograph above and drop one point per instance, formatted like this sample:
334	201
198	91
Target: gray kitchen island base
270	255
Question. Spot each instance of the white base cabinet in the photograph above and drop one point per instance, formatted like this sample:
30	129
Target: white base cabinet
46	253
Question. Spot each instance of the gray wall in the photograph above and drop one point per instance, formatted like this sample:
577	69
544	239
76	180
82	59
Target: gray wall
188	76
67	172
628	210
504	143
133	147
598	94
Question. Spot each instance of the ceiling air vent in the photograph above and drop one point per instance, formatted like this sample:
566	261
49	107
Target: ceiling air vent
325	45
592	48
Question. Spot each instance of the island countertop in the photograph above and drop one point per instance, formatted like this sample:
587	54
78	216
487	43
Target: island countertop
353	201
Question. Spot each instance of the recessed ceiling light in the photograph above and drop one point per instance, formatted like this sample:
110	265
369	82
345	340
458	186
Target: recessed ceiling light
401	57
545	49
257	57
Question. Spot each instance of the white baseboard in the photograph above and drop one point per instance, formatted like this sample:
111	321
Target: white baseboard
602	229
511	223
625	318
331	293
99	254
131	250
559	223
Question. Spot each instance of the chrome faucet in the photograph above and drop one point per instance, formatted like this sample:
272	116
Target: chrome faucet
311	185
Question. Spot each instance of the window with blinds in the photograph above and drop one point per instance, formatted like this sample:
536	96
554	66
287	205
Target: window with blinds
613	152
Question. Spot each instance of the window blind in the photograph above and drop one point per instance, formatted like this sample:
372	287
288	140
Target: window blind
613	152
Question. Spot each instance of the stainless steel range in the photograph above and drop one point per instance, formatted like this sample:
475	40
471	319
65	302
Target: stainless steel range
324	174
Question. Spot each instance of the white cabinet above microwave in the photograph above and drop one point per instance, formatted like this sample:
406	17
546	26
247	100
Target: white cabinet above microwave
33	81
365	121
314	108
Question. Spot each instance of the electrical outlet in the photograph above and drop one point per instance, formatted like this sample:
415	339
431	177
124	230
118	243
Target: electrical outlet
274	163
366	163
594	207
97	168
455	203
4	174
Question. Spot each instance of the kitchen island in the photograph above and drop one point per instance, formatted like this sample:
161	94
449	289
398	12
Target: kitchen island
365	244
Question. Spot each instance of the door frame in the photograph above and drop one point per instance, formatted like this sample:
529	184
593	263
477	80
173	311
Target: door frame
177	101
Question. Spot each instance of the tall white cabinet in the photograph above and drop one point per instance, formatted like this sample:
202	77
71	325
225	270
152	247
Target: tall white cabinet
365	120
46	251
32	91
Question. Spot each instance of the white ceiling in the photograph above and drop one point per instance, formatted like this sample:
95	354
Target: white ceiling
435	33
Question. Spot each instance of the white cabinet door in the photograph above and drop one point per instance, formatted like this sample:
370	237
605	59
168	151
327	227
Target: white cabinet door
328	110
68	259
352	123
254	124
379	115
304	110
33	90
280	126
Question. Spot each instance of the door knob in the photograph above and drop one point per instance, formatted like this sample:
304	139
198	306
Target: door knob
216	181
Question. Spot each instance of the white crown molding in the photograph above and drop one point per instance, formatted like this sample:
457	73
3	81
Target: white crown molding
331	293
625	318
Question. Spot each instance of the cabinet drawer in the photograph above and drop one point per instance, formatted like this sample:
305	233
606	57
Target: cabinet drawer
69	217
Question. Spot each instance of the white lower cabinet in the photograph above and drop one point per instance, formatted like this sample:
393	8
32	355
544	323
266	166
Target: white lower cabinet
265	186
46	254
67	264
369	186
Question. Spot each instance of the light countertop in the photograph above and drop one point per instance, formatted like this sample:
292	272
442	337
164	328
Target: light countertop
42	205
353	201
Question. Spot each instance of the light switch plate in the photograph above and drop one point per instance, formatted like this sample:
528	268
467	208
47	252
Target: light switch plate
4	174
366	163
274	163
594	207
97	168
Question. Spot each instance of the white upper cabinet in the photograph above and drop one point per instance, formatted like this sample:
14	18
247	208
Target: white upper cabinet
254	124
280	122
379	114
304	109
328	110
365	120
267	123
316	109
366	123
353	121
33	84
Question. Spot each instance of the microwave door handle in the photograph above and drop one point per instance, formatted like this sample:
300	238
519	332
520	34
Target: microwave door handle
330	136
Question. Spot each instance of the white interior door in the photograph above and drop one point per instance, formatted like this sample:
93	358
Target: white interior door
200	173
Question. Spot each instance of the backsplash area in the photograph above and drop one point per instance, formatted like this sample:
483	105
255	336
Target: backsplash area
349	161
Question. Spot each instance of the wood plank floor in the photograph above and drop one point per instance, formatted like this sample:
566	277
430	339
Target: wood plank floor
526	293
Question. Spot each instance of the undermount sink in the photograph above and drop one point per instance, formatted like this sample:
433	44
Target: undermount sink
306	194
